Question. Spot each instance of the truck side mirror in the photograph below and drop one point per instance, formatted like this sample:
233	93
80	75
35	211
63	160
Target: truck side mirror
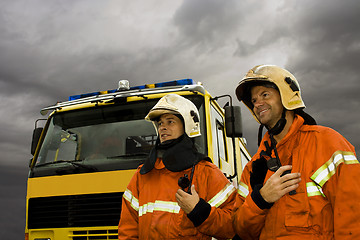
35	139
233	123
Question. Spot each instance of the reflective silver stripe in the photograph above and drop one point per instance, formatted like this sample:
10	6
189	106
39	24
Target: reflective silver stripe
132	200
313	189
243	189
171	207
326	171
221	197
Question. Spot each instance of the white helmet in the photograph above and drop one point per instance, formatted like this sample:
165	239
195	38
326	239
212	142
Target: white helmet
176	104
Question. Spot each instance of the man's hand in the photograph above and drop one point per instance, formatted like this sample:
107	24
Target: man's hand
276	186
186	201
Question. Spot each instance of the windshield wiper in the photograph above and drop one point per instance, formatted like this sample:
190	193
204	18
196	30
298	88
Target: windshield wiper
129	155
76	167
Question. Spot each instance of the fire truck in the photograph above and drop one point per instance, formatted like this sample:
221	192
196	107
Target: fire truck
88	148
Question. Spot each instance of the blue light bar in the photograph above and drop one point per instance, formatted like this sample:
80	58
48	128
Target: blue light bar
138	87
112	91
84	95
175	83
181	82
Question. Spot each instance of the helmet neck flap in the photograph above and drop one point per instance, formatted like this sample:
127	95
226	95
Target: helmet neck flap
177	155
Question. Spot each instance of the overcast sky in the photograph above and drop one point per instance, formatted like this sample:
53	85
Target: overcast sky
50	50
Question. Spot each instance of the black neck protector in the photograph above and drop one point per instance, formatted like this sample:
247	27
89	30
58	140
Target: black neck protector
178	154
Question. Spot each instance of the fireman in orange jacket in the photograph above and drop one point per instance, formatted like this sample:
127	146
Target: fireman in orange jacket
303	181
154	206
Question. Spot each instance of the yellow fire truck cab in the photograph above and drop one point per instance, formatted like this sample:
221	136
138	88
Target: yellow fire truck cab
91	145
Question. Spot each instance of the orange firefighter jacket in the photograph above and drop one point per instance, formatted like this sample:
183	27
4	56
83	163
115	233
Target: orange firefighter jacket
150	210
327	202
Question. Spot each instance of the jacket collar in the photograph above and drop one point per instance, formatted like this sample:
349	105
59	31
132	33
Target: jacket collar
295	127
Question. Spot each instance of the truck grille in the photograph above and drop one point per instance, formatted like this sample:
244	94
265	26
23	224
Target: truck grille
75	211
95	234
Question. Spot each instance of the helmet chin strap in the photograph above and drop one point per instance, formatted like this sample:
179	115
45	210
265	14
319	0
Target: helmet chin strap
277	129
279	126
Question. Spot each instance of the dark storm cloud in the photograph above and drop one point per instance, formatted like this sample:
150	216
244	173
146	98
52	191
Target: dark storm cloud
52	49
328	64
208	22
323	52
331	35
27	61
12	201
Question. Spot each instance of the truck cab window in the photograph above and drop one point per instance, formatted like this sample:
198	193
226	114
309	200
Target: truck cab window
105	138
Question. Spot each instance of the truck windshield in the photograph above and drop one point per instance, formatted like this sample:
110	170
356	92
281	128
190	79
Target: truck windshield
112	137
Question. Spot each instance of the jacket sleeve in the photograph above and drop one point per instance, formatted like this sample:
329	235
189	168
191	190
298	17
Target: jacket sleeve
338	178
248	218
129	218
217	201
